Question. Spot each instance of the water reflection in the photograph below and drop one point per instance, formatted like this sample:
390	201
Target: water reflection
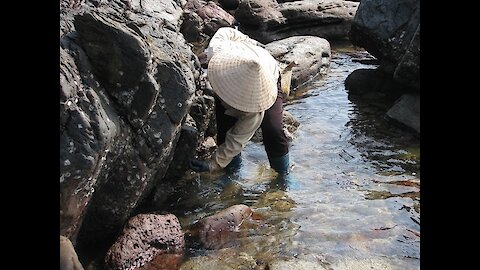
391	149
358	173
264	237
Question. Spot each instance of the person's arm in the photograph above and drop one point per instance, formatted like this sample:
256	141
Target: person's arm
236	139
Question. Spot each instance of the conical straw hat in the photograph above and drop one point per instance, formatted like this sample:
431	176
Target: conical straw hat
244	76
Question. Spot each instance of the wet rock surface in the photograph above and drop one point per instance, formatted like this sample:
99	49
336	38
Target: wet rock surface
224	259
164	262
220	229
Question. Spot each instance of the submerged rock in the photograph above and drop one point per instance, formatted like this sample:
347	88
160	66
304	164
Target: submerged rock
276	200
224	259
295	264
218	230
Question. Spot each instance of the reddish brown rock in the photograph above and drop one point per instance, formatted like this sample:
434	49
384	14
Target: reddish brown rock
220	229
144	237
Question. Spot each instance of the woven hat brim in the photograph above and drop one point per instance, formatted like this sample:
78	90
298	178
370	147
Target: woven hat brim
242	79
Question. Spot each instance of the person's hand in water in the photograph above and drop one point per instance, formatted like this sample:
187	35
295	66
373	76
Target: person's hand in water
199	165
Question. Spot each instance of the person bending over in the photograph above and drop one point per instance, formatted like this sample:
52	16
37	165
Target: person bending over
246	81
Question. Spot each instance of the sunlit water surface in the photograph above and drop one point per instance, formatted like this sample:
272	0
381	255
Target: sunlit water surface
352	200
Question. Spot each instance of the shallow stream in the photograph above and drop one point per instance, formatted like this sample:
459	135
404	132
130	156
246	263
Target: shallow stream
352	200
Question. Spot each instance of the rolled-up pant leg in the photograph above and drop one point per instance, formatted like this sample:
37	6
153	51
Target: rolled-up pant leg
274	139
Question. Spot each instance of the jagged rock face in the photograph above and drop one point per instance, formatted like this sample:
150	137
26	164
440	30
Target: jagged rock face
119	59
267	20
192	136
126	86
390	30
192	26
168	13
89	129
144	237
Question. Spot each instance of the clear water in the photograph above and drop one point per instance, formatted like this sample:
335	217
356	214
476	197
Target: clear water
352	200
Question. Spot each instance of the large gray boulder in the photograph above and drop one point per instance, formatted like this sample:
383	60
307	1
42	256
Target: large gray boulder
312	54
267	20
390	30
127	81
89	130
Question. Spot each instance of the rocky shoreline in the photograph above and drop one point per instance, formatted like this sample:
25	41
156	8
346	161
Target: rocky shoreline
135	103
